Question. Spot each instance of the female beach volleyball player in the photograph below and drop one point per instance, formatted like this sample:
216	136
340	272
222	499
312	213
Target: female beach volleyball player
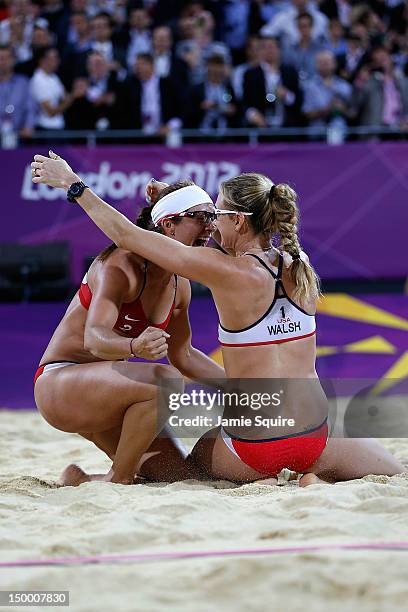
266	300
128	307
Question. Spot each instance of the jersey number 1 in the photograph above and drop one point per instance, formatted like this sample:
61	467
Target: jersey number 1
283	312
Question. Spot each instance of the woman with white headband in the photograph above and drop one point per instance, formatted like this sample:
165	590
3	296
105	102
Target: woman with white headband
129	307
266	300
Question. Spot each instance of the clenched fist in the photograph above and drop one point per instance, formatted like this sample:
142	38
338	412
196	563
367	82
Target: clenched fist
151	344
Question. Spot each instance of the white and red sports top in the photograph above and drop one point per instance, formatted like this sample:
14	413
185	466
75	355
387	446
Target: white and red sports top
284	321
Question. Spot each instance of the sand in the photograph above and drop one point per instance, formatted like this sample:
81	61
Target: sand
39	520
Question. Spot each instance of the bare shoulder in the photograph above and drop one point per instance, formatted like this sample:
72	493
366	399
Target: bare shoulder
121	269
128	261
232	269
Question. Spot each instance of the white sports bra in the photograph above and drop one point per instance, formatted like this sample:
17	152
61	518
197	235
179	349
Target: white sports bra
284	320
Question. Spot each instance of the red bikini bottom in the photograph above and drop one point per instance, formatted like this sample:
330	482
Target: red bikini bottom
296	452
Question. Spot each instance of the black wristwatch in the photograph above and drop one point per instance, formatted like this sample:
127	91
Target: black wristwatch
75	191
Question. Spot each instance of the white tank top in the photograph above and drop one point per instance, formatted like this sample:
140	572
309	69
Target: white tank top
284	320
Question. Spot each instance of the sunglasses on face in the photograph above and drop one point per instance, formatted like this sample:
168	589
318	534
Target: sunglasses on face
218	211
204	216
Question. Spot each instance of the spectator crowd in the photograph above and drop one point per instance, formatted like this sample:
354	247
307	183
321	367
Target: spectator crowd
158	65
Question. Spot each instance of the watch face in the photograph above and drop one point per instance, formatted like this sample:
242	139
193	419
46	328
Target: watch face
76	188
75	191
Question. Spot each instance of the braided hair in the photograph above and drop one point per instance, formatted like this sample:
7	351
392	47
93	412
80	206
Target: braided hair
274	211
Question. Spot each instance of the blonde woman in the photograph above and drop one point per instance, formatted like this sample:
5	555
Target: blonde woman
266	301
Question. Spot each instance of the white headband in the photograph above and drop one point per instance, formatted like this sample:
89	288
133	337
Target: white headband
179	201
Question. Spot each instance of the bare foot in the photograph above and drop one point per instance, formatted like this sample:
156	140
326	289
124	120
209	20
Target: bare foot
73	476
309	479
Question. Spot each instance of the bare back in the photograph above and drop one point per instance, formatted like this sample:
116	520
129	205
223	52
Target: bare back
241	305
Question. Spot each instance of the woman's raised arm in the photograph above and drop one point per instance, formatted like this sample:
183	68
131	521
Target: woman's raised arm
201	264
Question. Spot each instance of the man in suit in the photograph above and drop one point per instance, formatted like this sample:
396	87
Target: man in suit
165	62
104	42
135	35
95	96
213	103
272	96
382	99
148	102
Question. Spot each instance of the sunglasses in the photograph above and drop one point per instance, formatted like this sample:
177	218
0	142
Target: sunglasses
218	211
204	216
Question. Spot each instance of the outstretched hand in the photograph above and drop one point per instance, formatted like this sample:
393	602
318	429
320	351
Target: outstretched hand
53	171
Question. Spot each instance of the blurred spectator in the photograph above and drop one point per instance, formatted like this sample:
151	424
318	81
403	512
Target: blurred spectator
117	10
16	104
234	15
200	28
366	22
338	10
82	6
400	53
213	104
79	34
94	96
136	36
350	63
80	115
48	91
272	97
382	96
196	30
17	40
53	12
120	30
26	12
252	60
165	62
41	39
148	102
73	61
190	53
336	42
284	26
302	55
102	83
260	13
101	32
327	97
204	34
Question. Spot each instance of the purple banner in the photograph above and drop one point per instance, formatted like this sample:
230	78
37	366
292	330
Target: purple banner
352	198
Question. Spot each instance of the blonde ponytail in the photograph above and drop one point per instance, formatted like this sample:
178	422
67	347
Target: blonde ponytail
285	214
274	211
